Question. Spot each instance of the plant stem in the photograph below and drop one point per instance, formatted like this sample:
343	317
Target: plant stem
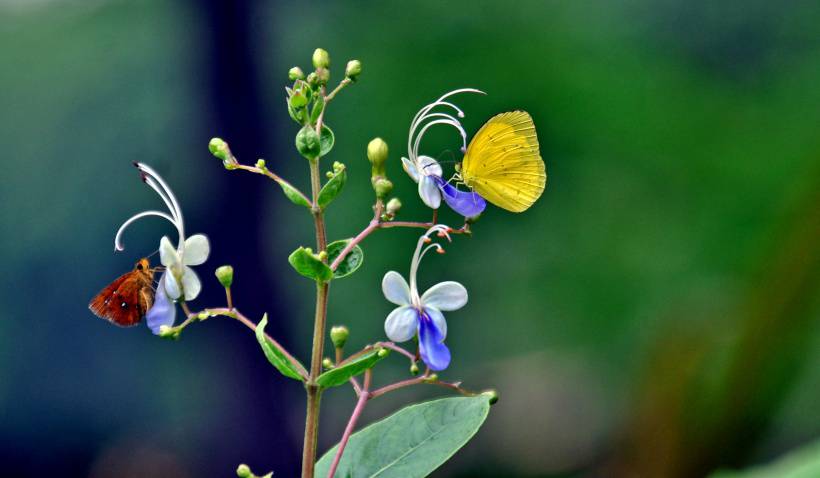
363	397
314	393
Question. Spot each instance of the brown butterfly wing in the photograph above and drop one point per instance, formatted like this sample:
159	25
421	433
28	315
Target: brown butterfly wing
126	300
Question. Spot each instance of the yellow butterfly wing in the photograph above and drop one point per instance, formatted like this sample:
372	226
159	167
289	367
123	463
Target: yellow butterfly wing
503	163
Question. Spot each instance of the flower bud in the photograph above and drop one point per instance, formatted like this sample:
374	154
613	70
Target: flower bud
260	163
220	149
327	363
225	275
377	153
298	100
353	69
322	76
431	378
393	206
312	79
243	471
383	187
414	369
168	332
321	59
296	73
339	335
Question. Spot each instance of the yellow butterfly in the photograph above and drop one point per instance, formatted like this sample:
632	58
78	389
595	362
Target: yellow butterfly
503	163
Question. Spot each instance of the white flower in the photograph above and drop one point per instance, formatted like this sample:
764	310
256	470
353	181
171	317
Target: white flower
421	314
180	281
425	170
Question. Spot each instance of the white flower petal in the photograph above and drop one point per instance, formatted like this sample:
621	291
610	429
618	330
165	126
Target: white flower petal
190	284
410	168
395	288
401	324
429	192
172	286
168	255
445	296
430	167
438	320
196	250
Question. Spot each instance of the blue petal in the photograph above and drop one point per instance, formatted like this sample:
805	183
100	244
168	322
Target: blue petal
163	312
466	203
431	345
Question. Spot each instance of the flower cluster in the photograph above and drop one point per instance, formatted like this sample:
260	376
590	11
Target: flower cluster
426	171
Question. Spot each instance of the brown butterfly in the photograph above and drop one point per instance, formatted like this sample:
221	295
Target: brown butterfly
126	300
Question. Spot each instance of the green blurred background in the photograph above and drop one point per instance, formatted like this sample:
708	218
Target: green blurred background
654	314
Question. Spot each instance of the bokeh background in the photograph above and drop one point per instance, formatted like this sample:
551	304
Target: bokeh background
654	314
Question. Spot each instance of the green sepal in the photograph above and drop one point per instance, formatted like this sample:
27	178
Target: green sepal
296	115
346	370
332	187
326	140
294	195
307	142
308	264
318	107
352	261
412	442
274	355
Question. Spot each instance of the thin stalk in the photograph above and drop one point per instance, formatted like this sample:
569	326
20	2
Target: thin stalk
351	424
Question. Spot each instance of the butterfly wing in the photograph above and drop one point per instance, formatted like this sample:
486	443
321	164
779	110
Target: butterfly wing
503	163
126	300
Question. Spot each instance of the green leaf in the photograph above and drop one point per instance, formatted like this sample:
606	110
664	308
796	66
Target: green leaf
309	265
318	106
327	140
352	261
274	355
412	442
293	195
341	374
307	142
801	463
332	187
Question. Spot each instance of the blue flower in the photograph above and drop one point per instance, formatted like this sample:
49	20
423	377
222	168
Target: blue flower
421	314
179	282
426	171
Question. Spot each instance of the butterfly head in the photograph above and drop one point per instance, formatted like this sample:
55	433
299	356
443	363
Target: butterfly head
142	264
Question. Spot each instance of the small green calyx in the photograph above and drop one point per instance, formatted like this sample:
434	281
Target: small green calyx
432	378
383	187
414	369
260	163
322	76
339	335
296	73
353	69
392	208
225	275
383	353
327	364
321	58
168	332
243	471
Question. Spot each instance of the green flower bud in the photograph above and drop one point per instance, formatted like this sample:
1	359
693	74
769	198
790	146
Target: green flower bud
431	378
220	149
313	79
383	187
168	332
339	335
225	275
414	369
382	353
296	73
322	76
244	471
307	142
298	100
377	154
353	69
260	163
492	395
321	59
393	206
327	363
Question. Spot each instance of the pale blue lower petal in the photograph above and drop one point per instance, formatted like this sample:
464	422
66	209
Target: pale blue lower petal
438	320
466	203
431	345
163	311
401	324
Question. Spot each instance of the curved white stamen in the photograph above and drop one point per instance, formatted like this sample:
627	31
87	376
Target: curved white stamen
419	253
423	112
454	124
118	238
176	210
451	120
150	181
